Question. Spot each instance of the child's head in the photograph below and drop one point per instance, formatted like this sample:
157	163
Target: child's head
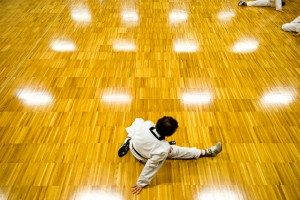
166	126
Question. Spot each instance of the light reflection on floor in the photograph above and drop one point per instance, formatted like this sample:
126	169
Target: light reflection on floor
123	45
218	193
34	98
226	15
116	98
130	16
245	46
97	195
178	16
81	13
63	45
2	196
196	98
185	46
277	97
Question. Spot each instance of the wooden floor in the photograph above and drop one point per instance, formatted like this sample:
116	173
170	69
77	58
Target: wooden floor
74	74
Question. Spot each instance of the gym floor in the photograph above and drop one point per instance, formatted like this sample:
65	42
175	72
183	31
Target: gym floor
74	74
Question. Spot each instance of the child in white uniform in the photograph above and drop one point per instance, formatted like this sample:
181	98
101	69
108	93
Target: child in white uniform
147	143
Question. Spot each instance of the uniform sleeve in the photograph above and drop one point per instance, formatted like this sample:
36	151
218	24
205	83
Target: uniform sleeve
136	125
151	168
278	4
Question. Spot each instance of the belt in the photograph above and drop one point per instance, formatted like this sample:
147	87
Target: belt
138	152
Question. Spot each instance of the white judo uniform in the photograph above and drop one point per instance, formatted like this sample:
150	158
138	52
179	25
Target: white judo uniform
271	3
150	148
293	26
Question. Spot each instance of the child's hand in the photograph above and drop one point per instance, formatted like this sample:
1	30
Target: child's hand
136	189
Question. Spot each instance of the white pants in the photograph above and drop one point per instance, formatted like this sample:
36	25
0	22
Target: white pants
293	26
184	153
181	153
260	3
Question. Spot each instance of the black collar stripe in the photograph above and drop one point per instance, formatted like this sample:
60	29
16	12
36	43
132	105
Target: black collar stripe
155	135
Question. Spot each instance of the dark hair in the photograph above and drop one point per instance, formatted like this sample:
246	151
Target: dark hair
166	126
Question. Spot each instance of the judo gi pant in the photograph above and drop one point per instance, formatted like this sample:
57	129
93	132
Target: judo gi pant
180	153
260	3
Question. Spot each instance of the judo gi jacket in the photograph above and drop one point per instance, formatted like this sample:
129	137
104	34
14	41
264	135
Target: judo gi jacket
149	147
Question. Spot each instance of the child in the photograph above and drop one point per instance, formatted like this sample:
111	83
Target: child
147	143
